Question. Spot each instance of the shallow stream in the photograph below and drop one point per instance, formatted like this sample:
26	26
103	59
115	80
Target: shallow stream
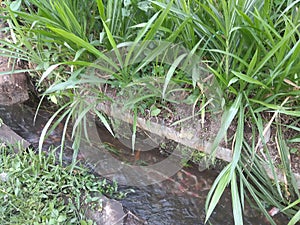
178	200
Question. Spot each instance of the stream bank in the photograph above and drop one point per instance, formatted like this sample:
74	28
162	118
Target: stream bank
186	136
177	200
102	210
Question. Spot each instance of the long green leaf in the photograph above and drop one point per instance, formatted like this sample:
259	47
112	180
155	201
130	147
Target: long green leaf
64	135
46	127
136	44
274	49
227	118
256	198
101	9
236	203
77	40
252	64
239	139
48	72
104	121
216	191
158	22
295	219
113	43
171	72
81	114
134	125
249	79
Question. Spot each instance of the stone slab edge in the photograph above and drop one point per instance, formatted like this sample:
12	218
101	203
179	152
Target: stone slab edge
184	138
8	136
13	84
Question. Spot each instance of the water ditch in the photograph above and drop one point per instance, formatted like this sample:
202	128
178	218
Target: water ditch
179	199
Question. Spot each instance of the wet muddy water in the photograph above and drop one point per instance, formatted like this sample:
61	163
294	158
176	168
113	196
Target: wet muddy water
179	199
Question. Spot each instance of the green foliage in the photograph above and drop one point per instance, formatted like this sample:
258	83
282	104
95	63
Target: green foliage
251	47
35	189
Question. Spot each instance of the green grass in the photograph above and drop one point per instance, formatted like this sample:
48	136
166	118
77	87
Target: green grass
36	189
250	47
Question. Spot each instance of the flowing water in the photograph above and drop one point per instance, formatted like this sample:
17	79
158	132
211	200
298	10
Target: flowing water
179	199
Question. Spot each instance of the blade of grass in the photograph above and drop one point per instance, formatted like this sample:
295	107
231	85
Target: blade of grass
77	40
295	219
256	199
249	79
63	136
216	191
47	125
101	9
156	26
113	44
137	40
274	49
239	139
171	72
236	203
104	121
150	36
227	119
134	125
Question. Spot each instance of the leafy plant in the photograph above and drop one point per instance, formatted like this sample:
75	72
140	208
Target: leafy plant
252	48
35	189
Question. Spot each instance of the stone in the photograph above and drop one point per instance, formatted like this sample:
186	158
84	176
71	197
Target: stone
112	212
7	136
13	85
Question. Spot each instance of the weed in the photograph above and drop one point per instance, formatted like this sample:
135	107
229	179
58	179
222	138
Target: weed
37	190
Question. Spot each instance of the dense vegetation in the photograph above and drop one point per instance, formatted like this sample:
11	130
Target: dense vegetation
251	48
36	189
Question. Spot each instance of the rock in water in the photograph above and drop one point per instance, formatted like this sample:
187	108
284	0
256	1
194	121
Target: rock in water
112	213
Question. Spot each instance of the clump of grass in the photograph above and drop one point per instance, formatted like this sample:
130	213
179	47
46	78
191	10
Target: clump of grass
252	48
34	189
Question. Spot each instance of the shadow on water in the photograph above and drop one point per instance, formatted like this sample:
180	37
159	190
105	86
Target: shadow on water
179	199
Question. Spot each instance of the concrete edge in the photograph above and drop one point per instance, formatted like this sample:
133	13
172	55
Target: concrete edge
181	137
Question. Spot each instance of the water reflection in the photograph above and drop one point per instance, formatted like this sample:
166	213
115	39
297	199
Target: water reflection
178	200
